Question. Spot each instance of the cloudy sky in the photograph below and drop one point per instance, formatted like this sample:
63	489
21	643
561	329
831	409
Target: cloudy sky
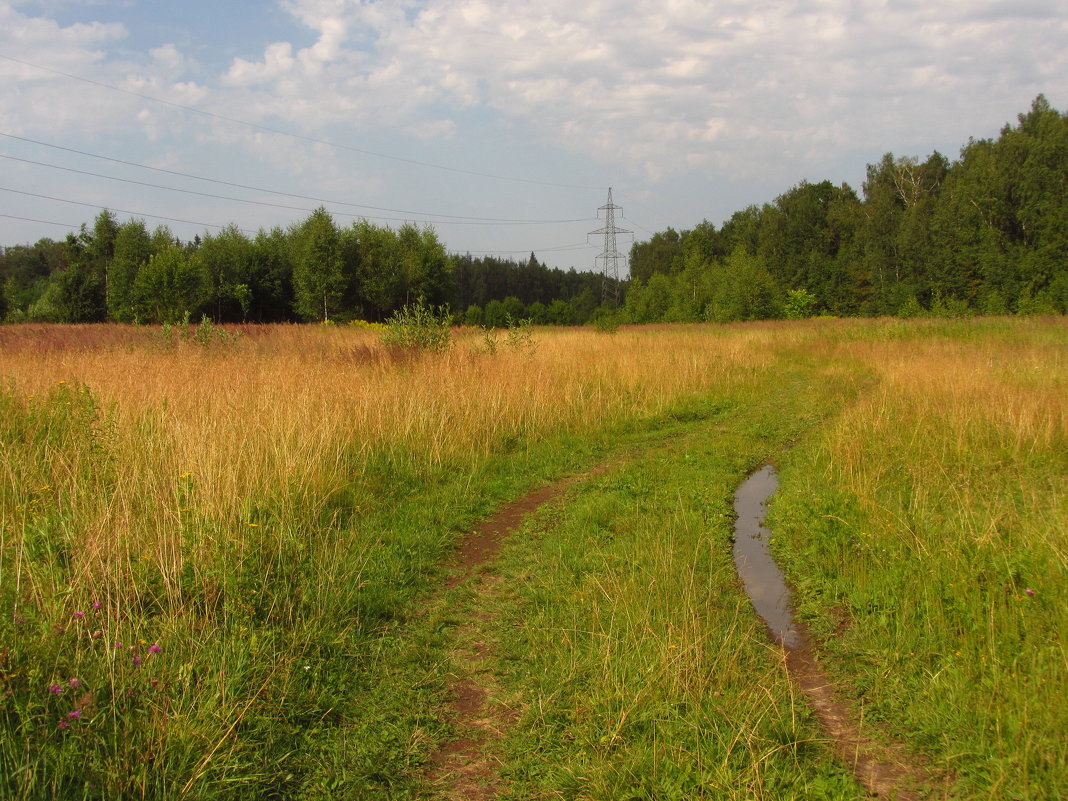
501	123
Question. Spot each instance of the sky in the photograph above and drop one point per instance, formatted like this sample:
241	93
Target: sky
502	124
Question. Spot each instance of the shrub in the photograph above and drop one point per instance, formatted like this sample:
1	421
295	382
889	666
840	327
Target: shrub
418	327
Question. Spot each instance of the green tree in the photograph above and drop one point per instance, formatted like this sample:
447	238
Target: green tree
663	253
168	288
318	280
133	249
226	263
473	315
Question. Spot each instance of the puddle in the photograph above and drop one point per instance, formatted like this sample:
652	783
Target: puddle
764	582
887	770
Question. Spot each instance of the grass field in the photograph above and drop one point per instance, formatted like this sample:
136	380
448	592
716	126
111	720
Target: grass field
217	556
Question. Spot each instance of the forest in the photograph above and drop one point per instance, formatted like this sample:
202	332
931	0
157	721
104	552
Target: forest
984	234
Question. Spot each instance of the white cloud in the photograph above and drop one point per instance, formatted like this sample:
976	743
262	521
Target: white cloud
660	90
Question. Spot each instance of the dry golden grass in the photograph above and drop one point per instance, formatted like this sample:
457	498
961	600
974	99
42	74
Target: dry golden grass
281	414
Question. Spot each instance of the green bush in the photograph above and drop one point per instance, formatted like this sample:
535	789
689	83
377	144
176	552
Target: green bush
418	327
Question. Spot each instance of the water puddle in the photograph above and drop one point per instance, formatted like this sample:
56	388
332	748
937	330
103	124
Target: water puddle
887	770
764	582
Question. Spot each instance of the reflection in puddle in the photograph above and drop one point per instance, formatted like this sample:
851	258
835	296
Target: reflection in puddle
764	582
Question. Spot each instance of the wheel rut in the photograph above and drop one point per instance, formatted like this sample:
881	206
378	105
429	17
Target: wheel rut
886	770
466	766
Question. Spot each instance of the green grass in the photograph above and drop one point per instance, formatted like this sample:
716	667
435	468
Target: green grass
925	531
305	642
628	644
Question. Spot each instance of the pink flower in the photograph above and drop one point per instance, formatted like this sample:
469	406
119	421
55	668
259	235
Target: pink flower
1029	591
74	714
55	689
79	615
74	682
154	648
137	661
96	605
63	724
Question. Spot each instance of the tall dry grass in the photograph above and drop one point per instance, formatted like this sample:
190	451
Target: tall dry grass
287	414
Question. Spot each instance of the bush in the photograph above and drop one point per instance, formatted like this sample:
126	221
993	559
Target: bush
800	304
418	327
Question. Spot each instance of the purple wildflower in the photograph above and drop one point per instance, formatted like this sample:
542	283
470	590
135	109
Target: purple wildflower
79	615
55	689
1029	591
74	682
74	714
118	644
137	661
96	606
63	724
154	648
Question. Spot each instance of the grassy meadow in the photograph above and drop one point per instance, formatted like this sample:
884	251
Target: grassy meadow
222	558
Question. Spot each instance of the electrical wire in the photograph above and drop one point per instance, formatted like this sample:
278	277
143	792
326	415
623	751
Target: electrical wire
456	220
33	220
120	211
495	220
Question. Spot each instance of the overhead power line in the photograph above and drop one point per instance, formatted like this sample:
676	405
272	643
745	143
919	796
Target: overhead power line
455	219
333	202
120	211
290	134
34	220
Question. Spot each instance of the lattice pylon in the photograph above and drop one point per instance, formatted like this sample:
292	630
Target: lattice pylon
610	257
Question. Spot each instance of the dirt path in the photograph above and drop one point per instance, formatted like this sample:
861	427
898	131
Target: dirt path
466	767
886	770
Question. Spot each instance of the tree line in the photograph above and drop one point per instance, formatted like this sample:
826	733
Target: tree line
987	233
311	271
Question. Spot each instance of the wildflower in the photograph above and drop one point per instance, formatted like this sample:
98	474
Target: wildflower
137	661
74	714
1029	592
74	683
117	644
154	648
79	615
129	693
253	525
96	606
63	724
55	689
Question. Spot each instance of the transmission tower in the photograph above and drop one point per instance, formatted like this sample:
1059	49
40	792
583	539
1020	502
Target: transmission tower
610	257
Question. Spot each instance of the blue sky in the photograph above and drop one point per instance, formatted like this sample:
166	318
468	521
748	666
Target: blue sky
501	123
